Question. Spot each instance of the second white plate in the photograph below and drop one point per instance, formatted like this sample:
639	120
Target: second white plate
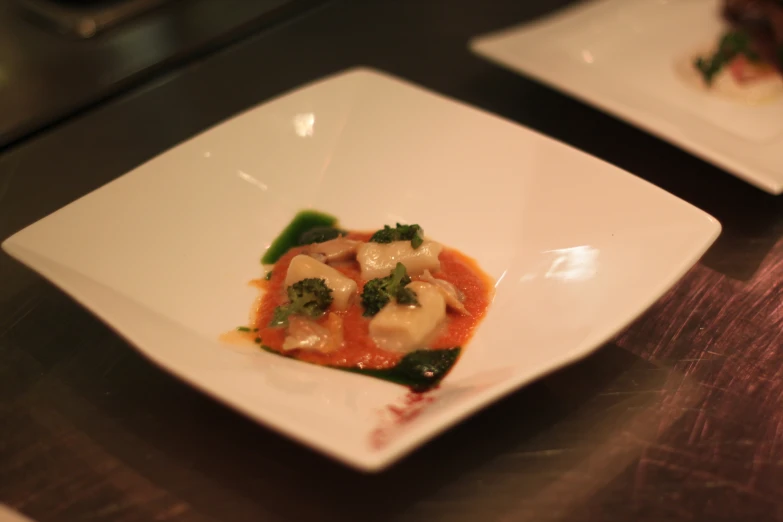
622	56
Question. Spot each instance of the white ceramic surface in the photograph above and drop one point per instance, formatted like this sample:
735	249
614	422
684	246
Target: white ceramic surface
164	253
623	56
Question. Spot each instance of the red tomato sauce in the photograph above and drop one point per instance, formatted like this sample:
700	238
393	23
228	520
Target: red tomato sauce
358	348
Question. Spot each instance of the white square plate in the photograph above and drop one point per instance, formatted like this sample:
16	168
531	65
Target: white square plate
623	56
164	253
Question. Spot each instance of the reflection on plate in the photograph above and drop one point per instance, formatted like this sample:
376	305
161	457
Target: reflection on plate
161	254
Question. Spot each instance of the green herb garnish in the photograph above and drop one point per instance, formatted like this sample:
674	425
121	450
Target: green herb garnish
309	297
412	233
732	44
268	275
378	292
243	329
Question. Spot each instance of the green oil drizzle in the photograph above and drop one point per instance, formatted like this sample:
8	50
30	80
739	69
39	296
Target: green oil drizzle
420	371
303	222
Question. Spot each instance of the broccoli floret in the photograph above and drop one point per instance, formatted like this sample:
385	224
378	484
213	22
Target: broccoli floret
378	292
412	233
309	297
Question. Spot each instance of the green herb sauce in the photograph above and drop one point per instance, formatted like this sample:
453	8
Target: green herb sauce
303	222
420	371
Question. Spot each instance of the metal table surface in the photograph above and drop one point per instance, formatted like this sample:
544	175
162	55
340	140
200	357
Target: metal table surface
678	418
46	76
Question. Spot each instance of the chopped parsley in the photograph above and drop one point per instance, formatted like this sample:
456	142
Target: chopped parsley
412	233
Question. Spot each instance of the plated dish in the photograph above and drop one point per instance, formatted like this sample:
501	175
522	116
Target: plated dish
164	254
746	62
712	86
391	304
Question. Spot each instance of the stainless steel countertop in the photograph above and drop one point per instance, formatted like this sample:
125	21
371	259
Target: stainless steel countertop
46	76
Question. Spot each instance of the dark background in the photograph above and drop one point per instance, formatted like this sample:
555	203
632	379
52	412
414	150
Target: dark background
678	418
